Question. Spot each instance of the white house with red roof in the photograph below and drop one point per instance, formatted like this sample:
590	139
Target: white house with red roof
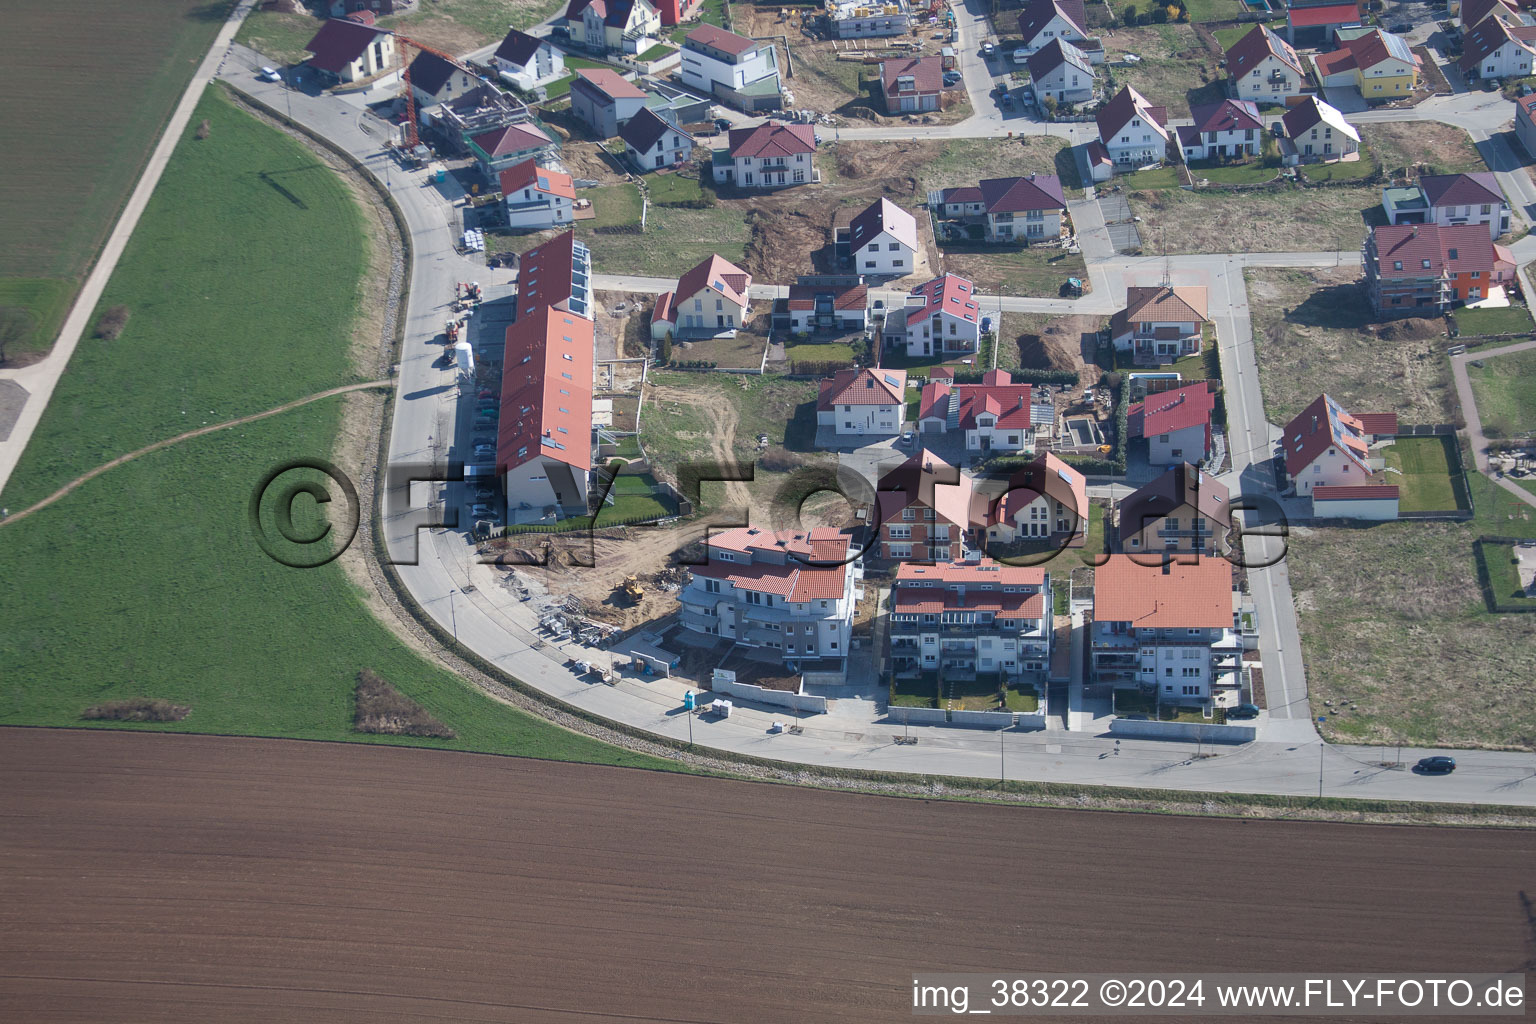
536	197
865	402
789	593
970	618
912	85
1176	424
1133	131
1456	199
348	51
1231	128
527	62
768	155
733	69
1168	629
1027	208
508	145
1525	122
941	318
558	274
927	510
1160	323
1325	446
1264	67
882	240
605	100
544	438
710	301
1046	503
995	415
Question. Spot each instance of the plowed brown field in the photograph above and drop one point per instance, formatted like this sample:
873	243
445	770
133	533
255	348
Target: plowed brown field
181	878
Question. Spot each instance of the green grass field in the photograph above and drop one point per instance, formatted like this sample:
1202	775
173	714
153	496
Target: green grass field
676	189
1506	396
1426	483
147	581
1508	320
88	90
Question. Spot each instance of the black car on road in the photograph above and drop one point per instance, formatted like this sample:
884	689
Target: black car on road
1437	765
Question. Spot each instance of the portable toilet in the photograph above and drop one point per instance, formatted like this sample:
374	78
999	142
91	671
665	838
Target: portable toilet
688	701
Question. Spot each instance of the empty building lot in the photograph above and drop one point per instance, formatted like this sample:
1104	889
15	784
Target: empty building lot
181	878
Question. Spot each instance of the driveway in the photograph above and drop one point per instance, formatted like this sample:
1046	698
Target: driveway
1119	221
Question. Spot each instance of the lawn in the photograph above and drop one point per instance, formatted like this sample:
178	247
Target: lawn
148	581
656	52
1487	320
562	86
1274	220
1392	617
1504	576
1425	479
1005	270
711	12
89	90
1340	170
980	694
1505	389
1310	337
809	352
1252	172
920	691
1227	36
635	496
1166	176
674	431
456	26
677	189
1397	145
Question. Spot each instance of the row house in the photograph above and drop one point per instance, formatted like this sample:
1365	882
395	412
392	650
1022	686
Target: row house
1022	209
1231	129
711	300
928	511
1326	446
768	155
789	593
1133	131
866	402
969	618
544	436
995	415
1160	323
558	274
732	69
1419	270
941	318
1184	512
1176	424
1264	67
1046	504
1168	629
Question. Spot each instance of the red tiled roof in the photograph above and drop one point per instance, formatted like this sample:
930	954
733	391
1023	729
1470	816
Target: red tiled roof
1322	425
339	42
978	571
927	481
1336	62
1379	423
1046	475
1227	116
610	83
1012	195
716	274
771	138
718	38
1325	492
1127	104
529	174
932	601
1249	52
546	274
1474	11
927	74
997	394
1311	17
1038	13
512	138
1174	304
814	566
1182	486
848	296
1180	595
948	294
663	312
546	391
1413	244
1525	106
1167	411
1461	189
863	387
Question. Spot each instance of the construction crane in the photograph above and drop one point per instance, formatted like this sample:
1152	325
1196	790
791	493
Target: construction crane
412	140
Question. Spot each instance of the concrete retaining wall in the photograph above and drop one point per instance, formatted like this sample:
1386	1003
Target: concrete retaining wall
781	698
981	719
1028	722
822	679
918	716
1183	731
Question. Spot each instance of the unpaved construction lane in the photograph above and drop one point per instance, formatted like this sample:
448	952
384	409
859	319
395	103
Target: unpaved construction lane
176	878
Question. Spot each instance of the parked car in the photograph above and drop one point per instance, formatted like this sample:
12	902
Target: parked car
1437	765
906	439
951	78
1020	56
722	125
267	74
987	49
482	511
1243	711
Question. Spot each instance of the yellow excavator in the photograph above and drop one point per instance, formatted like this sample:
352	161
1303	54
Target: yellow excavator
632	588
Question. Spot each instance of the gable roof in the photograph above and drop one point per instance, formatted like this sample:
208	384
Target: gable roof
844	296
1176	594
717	38
1309	113
1326	14
1461	189
1457	249
772	138
529	174
646	128
882	216
997	394
867	386
927	73
1168	411
928	481
609	83
1053	55
1045	476
948	294
1011	195
546	391
429	72
1128	104
512	138
1251	50
1179	303
1474	11
613	12
1376	46
1490	34
1322	425
339	42
519	48
718	275
1181	485
556	273
1227	116
814	565
1525	108
1038	13
1354	492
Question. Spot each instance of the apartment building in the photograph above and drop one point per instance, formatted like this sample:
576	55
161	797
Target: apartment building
1423	270
927	510
733	69
964	619
1183	511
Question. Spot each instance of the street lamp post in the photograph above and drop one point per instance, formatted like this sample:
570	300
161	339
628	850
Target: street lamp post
453	614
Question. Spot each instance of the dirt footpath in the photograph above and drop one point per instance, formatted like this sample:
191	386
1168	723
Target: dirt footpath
193	879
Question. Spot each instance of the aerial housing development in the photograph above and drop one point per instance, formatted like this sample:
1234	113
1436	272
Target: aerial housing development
687	425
